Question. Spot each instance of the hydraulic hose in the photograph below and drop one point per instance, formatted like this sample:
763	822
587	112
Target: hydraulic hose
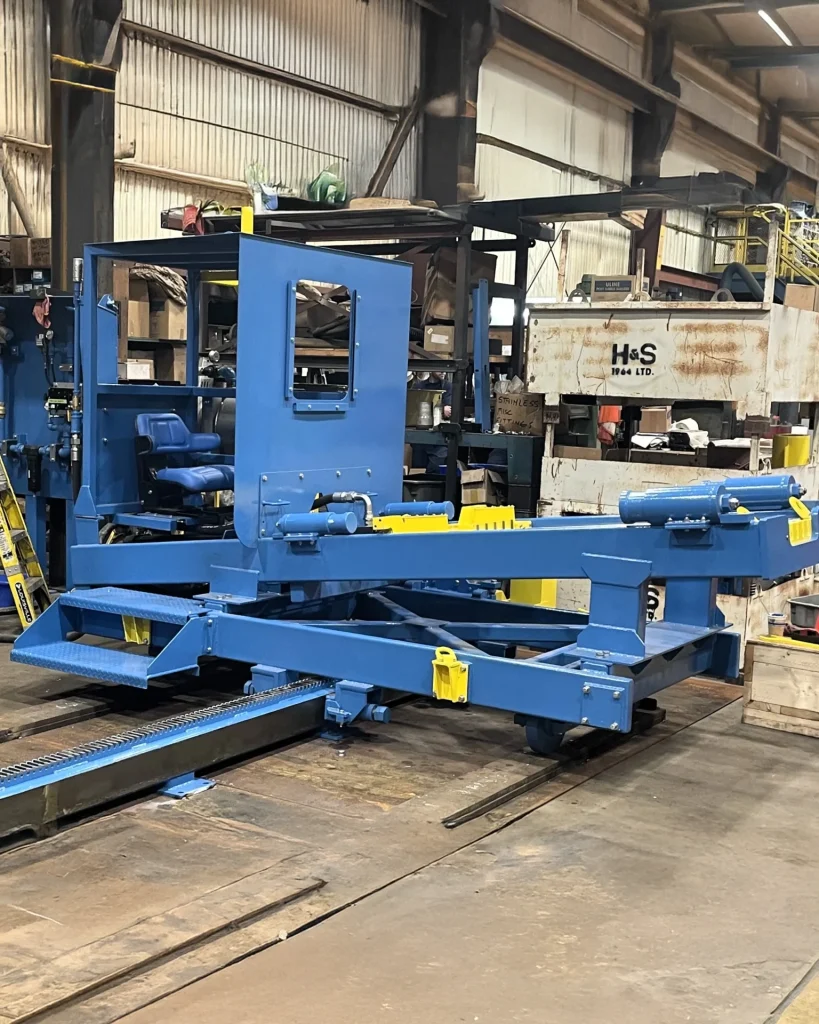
740	270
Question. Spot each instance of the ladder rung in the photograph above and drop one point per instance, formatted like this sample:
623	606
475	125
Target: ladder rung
20	563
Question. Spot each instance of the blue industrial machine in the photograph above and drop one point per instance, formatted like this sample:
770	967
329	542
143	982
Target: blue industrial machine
319	578
36	397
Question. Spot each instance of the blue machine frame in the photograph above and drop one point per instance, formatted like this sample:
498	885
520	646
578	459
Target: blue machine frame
31	437
327	595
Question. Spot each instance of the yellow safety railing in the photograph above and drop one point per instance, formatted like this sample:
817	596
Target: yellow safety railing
798	255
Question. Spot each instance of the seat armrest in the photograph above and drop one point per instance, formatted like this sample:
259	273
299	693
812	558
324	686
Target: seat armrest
144	444
203	442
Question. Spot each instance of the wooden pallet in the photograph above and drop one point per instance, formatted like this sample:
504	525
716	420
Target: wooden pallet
782	686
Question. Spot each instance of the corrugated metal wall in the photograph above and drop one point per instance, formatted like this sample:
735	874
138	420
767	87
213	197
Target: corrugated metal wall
188	127
687	246
183	113
366	48
24	106
566	140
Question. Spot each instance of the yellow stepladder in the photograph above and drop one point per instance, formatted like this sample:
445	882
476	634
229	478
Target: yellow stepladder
18	558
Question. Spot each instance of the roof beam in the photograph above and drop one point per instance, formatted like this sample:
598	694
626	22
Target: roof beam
519	34
721	6
751	57
438	8
525	35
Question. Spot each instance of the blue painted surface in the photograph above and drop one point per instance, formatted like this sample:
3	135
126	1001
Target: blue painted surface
757	547
480	334
89	661
360	446
26	369
287	594
186	785
26	384
124	747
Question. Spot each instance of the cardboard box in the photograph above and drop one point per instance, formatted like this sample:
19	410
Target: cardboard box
439	297
40	252
139	310
655	419
432	397
568	451
140	367
481	487
802	296
30	252
440	338
377	203
500	341
169	319
171	362
419	262
519	414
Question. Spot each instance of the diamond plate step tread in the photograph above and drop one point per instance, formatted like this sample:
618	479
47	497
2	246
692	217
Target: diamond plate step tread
84	660
118	601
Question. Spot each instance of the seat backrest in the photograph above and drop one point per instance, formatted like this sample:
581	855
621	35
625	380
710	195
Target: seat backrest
168	434
166	430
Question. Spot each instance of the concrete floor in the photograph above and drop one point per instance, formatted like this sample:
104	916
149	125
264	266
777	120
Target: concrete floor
680	885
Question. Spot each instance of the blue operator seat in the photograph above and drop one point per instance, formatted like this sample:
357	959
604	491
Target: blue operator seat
166	452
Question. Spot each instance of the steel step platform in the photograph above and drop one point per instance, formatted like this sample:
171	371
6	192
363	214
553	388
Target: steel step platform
92	662
137	603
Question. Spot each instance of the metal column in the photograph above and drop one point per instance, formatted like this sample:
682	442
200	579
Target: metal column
85	53
463	274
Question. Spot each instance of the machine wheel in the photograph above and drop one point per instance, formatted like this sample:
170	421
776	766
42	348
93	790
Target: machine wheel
544	736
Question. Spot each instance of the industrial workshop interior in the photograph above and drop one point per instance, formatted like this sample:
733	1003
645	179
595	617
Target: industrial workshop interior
409	511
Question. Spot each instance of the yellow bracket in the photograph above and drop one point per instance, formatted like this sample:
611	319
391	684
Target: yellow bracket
800	530
473	517
541	593
411	524
450	677
137	631
490	517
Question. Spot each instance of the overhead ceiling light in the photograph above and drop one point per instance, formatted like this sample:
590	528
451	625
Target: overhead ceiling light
770	21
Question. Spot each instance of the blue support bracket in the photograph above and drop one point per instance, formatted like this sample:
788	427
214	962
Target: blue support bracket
693	602
265	678
612	701
350	700
617	609
227	581
186	785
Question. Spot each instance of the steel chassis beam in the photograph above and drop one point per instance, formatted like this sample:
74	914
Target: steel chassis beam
554	547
